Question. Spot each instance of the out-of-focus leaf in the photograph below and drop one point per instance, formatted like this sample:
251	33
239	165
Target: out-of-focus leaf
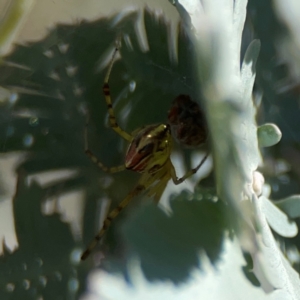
229	107
268	135
212	283
248	126
168	245
47	258
270	264
12	18
248	270
231	118
290	205
277	219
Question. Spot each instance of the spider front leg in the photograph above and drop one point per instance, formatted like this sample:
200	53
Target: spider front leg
112	118
189	173
94	158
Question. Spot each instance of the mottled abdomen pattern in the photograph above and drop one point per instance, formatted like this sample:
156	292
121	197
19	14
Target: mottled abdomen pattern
187	122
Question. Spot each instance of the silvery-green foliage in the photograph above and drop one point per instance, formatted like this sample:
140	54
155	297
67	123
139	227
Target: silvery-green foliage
229	91
218	235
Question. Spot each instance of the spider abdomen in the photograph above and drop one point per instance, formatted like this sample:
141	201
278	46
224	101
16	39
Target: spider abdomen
187	122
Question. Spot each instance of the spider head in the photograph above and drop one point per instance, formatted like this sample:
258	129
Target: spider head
149	149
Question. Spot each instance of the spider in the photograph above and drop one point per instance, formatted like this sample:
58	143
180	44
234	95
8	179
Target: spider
148	153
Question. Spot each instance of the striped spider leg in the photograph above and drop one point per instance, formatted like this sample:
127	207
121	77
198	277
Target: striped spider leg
148	153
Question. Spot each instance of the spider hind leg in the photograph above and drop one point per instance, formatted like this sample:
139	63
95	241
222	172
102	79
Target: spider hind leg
109	219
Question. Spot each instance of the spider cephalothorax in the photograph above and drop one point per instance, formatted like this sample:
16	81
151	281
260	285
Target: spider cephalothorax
148	153
150	149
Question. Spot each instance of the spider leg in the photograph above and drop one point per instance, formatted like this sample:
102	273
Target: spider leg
109	219
94	158
158	189
106	90
188	173
144	183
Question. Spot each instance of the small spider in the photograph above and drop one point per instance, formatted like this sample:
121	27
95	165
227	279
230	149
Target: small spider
148	153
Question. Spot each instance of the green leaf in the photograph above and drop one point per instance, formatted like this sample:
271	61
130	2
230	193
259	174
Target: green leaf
248	125
268	135
248	270
213	283
12	21
45	261
290	205
271	265
277	219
